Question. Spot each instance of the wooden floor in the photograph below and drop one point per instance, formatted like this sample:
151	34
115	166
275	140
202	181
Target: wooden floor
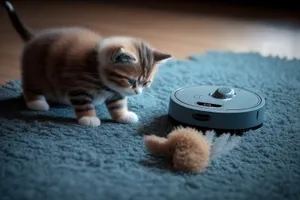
179	33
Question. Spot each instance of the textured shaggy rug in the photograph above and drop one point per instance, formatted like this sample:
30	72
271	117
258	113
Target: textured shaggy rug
46	155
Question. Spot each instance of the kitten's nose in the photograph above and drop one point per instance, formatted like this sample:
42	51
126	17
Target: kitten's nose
138	90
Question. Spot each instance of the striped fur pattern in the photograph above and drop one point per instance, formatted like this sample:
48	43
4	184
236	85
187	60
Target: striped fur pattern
78	67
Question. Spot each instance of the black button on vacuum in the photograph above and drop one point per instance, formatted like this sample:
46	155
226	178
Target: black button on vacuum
208	104
223	93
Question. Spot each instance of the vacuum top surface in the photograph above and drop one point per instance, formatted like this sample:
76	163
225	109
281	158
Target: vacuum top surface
218	98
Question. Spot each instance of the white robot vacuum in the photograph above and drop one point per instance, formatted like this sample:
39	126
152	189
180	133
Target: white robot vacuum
220	108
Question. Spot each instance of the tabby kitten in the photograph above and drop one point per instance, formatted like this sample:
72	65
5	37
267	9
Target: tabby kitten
78	67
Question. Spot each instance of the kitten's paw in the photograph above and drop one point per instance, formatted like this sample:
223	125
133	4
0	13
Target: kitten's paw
40	105
129	117
89	121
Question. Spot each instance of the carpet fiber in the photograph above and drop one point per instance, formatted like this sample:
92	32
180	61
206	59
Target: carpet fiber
46	155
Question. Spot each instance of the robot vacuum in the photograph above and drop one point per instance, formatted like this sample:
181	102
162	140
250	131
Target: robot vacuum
217	107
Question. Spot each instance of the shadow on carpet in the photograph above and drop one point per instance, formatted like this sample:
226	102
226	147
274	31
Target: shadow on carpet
46	155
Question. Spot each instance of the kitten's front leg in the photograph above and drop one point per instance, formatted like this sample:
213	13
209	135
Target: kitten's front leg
117	107
84	109
35	100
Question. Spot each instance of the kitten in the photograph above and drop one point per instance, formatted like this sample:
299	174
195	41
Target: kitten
80	68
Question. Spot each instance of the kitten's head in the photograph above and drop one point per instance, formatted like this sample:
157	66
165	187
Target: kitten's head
128	65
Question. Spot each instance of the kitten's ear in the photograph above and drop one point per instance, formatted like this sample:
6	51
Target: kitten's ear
160	56
122	57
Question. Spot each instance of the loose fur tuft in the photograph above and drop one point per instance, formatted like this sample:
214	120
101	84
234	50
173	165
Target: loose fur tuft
185	147
190	150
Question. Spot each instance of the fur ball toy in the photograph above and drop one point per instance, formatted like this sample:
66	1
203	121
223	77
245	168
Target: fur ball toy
190	150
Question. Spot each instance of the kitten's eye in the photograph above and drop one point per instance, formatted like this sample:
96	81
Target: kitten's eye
146	83
131	81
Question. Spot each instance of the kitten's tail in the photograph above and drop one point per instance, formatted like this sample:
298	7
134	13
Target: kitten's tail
23	31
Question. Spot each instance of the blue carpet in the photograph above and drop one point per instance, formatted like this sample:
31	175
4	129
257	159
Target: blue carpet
46	155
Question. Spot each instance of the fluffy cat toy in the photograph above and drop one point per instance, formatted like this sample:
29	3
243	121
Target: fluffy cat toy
79	67
190	150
